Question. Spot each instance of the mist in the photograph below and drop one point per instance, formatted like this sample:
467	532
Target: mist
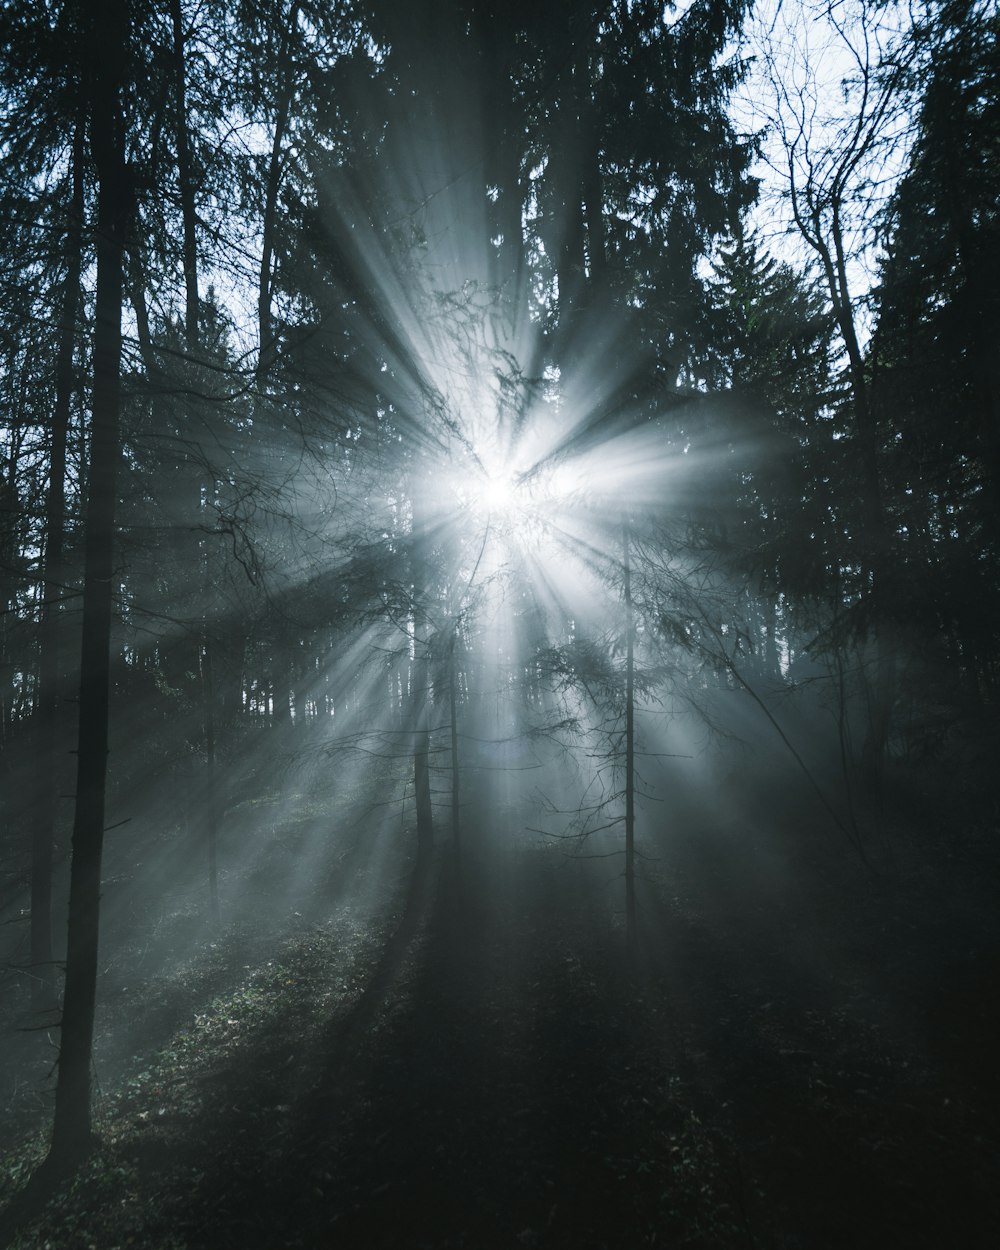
498	639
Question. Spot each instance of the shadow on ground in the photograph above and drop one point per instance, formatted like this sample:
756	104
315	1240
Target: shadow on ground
772	1073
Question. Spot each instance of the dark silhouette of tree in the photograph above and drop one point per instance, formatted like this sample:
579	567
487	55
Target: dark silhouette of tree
831	182
51	691
106	43
777	403
935	353
43	137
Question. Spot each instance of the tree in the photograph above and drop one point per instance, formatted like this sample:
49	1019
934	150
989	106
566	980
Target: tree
832	181
776	396
935	352
43	141
50	675
105	40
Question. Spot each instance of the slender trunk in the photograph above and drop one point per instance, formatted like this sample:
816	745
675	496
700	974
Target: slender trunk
422	772
192	316
186	184
212	785
593	194
137	298
833	258
772	656
504	164
266	350
570	266
281	711
631	933
844	743
50	640
9	505
566	231
875	746
455	774
420	694
72	1137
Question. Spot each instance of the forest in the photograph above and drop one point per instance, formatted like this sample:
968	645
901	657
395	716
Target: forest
499	624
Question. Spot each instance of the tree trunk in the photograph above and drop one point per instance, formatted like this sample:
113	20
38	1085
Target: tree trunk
833	257
192	316
266	350
50	639
72	1136
569	227
191	301
211	784
455	774
504	165
421	759
420	691
631	934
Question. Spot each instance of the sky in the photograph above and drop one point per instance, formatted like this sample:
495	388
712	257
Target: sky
805	84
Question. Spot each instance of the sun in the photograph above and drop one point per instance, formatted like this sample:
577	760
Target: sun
499	495
520	501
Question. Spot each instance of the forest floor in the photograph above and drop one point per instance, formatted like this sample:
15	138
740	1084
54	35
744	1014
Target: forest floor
803	1056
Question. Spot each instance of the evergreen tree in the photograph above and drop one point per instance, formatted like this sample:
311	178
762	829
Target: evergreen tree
107	46
936	349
